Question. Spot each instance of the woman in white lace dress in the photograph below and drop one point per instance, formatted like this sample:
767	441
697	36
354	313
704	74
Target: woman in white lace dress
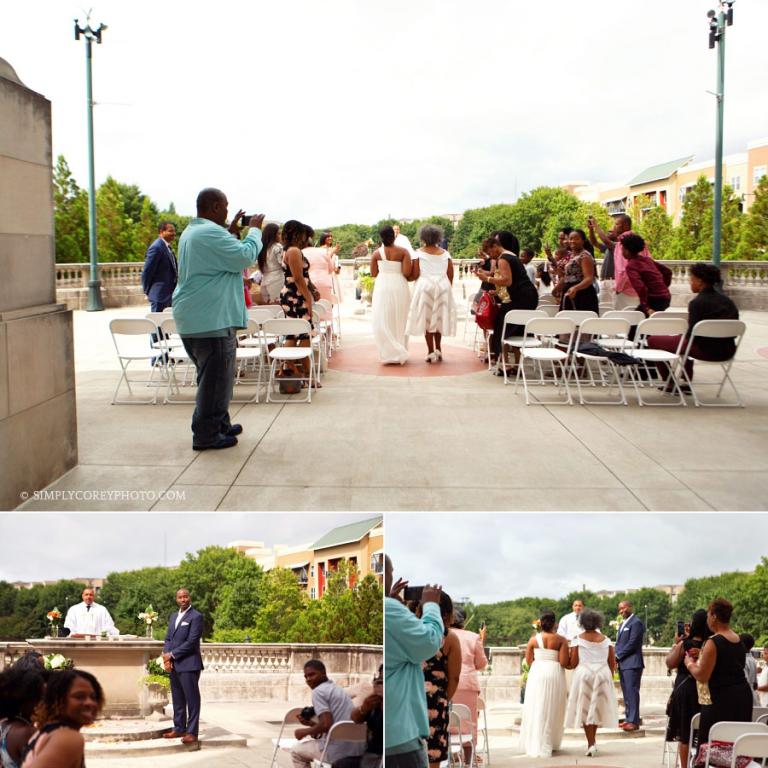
541	731
271	264
433	310
592	698
390	265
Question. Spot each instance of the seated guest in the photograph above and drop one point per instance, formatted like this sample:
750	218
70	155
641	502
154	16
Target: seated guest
73	698
370	712
89	618
21	690
645	275
331	705
708	304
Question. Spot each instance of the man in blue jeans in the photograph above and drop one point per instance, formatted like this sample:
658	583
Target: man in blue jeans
408	641
209	308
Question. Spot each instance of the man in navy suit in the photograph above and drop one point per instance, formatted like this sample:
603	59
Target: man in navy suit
159	276
181	654
629	655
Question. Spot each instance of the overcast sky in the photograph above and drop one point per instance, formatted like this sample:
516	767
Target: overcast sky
493	557
59	546
350	110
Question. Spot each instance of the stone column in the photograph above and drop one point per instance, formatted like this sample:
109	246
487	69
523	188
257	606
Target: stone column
38	427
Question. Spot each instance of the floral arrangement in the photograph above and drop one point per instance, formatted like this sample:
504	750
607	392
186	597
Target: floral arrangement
54	616
149	616
157	674
616	623
56	662
536	624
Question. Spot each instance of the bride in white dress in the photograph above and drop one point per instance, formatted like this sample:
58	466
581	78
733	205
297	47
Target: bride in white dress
541	731
390	266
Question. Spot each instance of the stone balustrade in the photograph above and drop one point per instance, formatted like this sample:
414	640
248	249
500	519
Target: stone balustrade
745	281
500	682
258	671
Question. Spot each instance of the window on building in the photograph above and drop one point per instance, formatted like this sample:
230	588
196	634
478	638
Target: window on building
312	593
377	563
736	183
758	173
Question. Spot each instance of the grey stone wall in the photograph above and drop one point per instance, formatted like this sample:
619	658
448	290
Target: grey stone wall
38	428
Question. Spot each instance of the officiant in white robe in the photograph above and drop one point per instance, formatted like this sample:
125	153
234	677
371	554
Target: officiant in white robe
89	618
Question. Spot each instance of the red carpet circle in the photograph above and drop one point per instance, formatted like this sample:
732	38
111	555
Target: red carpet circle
364	358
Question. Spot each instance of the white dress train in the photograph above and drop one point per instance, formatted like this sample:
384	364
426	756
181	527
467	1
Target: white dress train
541	731
391	301
592	698
433	309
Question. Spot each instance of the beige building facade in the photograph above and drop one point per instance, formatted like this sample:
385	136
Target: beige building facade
667	184
361	544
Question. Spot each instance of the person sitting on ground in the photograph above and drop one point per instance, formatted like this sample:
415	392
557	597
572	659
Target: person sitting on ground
331	704
708	304
370	712
645	275
21	690
73	698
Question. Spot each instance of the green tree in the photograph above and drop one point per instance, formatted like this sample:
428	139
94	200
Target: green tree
70	211
115	229
753	243
282	603
655	226
8	594
224	585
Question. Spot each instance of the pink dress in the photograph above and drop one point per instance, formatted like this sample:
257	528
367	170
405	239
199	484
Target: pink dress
472	660
321	272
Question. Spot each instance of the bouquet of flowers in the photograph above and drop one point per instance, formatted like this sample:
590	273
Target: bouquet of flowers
56	662
149	617
54	617
536	624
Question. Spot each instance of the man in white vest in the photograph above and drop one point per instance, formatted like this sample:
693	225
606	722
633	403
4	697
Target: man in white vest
570	625
89	618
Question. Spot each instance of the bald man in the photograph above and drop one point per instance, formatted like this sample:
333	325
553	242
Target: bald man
209	309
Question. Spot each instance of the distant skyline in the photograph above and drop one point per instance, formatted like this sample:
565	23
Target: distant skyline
61	546
345	111
494	557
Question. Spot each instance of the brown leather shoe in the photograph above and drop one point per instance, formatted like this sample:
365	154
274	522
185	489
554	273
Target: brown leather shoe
173	735
630	727
189	738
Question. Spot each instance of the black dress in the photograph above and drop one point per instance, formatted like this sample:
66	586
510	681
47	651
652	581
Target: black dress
585	299
436	687
728	688
684	701
292	300
522	294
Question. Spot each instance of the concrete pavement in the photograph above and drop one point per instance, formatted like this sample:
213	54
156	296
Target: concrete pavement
374	442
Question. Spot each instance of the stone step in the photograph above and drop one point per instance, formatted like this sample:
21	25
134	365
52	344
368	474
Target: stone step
126	729
210	737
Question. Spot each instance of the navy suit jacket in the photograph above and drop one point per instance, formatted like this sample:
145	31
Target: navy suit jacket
629	644
184	641
159	276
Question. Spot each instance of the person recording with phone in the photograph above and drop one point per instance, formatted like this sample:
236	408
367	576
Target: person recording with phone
683	703
409	642
209	308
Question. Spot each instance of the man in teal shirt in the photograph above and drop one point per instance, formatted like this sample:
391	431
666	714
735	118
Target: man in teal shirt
209	308
408	642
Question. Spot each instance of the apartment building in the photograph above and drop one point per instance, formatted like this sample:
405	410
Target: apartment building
667	183
360	543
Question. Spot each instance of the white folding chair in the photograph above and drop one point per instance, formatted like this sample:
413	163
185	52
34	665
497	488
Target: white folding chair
762	719
280	355
550	310
250	361
577	315
344	730
275	310
670	752
336	308
634	316
548	298
548	329
516	317
754	745
681	314
714	329
758	712
615	330
127	336
658	326
727	730
178	360
692	739
462	733
481	709
291	718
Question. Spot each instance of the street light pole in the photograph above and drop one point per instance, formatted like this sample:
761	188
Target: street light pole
95	303
717	25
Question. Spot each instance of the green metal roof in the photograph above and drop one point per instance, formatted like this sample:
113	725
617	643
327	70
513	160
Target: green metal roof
658	172
346	534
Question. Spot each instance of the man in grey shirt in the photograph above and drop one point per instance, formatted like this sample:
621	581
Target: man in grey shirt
332	704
